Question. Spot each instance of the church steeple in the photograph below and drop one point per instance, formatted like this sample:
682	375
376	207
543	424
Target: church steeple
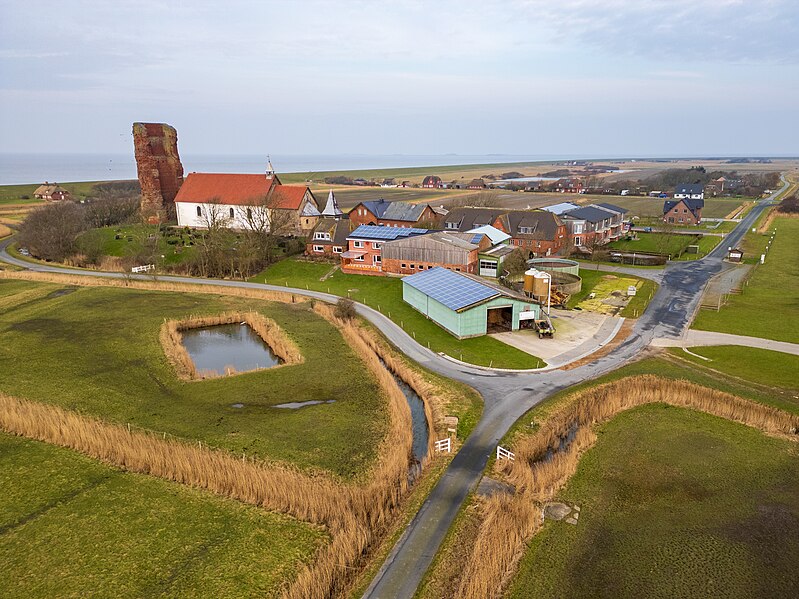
331	208
270	170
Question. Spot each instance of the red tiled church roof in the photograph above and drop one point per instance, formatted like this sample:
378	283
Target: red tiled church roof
236	189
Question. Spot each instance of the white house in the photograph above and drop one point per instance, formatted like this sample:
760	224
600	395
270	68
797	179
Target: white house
693	191
237	200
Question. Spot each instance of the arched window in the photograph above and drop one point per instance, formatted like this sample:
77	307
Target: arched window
199	211
249	213
232	214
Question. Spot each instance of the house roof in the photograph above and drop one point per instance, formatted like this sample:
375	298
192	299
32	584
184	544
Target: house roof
477	183
591	214
48	189
464	241
544	224
431	179
690	188
495	235
378	233
401	211
613	207
693	205
331	207
561	208
338	229
240	189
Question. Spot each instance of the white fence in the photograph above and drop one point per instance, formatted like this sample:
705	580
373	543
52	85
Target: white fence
145	268
503	453
444	445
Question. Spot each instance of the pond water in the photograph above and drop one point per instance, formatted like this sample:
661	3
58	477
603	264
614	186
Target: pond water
215	348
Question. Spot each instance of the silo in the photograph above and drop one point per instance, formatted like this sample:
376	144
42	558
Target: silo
528	281
541	286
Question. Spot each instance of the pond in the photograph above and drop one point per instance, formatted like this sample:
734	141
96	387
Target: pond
215	349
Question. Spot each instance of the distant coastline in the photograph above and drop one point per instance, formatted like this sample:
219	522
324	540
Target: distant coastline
19	169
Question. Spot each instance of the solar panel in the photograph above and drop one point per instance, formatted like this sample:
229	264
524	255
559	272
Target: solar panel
376	232
477	237
449	288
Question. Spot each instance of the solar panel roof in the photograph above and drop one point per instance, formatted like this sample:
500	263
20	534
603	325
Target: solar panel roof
387	233
453	290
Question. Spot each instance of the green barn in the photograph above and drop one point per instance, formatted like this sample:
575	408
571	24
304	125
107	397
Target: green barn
466	306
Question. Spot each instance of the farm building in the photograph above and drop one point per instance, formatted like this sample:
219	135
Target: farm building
465	306
456	251
432	182
365	247
392	214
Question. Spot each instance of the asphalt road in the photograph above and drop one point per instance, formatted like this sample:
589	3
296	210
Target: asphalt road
507	395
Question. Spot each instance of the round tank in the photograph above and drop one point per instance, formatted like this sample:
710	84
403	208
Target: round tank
540	285
555	265
528	280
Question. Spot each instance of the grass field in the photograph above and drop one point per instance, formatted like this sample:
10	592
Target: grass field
647	208
761	366
655	242
131	237
97	351
74	527
386	293
12	194
769	305
675	503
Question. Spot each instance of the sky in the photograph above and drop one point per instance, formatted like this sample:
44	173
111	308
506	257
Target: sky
568	77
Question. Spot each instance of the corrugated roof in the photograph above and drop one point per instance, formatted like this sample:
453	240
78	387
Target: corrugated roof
453	290
495	235
561	208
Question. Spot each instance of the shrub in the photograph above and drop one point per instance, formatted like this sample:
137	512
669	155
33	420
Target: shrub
345	309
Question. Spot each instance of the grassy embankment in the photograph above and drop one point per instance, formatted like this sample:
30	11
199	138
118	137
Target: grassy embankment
103	346
385	293
70	525
674	503
768	305
604	283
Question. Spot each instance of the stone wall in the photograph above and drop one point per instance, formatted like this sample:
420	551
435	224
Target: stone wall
159	169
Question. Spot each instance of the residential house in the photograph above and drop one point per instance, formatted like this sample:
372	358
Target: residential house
542	233
51	191
569	186
238	201
686	211
328	238
392	214
365	244
593	225
432	182
693	191
476	184
455	251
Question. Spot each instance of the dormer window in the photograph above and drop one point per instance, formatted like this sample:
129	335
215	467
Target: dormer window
322	236
452	225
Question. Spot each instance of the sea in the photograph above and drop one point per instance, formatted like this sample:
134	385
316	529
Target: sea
67	168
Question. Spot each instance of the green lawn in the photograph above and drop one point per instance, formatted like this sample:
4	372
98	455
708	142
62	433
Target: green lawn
652	208
175	245
385	293
771	368
769	305
12	194
96	350
675	503
74	527
660	243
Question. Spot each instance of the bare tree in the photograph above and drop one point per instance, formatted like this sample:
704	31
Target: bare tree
264	224
214	245
51	232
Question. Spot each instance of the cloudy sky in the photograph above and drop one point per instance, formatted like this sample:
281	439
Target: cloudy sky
577	77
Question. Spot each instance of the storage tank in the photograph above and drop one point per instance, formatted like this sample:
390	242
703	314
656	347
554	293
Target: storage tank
541	285
529	276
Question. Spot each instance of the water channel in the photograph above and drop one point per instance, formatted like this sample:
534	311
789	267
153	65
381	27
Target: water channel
216	348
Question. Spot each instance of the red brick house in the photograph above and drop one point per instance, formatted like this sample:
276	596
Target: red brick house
569	186
393	214
477	184
685	211
542	233
432	182
328	238
364	248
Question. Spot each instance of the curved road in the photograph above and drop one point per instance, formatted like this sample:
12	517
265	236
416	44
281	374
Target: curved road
507	395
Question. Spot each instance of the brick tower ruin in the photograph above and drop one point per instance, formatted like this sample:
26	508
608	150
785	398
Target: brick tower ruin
160	171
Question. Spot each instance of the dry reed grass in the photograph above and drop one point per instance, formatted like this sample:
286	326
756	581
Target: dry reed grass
267	329
154	285
356	516
5	231
542	466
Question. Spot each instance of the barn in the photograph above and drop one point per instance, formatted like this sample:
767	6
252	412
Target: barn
465	306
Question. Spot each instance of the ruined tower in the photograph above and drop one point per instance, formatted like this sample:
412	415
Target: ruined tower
160	171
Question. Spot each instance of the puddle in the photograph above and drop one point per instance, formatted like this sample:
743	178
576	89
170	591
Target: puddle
296	405
237	405
218	348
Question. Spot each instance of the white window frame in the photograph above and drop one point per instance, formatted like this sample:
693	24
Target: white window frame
359	258
376	259
322	236
319	249
337	249
357	244
376	245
